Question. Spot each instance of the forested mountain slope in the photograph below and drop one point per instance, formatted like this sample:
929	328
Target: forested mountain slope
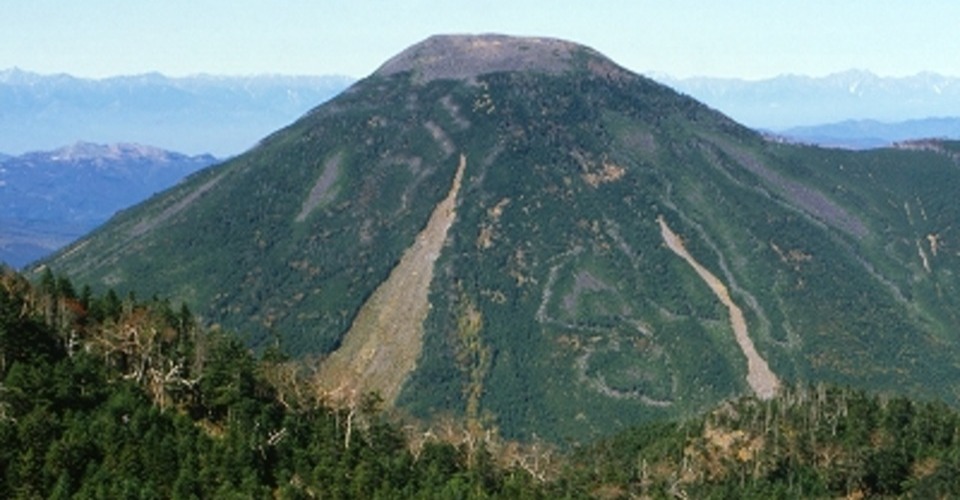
556	306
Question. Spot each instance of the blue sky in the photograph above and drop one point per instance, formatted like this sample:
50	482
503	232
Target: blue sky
729	38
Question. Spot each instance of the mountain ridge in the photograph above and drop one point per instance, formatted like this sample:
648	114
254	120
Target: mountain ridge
198	114
788	101
864	134
52	197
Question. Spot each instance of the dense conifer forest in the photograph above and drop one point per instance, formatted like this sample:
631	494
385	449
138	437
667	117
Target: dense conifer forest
109	397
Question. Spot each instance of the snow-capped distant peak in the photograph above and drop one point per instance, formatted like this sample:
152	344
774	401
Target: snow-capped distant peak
90	151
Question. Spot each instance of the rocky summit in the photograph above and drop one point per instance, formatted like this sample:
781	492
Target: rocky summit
519	232
465	57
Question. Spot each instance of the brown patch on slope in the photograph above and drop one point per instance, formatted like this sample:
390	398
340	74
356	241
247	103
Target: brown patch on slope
596	172
383	343
488	228
473	356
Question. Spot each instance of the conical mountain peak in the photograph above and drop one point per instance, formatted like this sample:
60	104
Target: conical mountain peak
463	57
519	231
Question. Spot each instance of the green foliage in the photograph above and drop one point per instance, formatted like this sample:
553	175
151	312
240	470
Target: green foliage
72	425
844	263
807	442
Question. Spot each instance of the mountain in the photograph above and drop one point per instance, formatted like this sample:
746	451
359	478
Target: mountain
519	232
790	101
862	134
51	198
198	114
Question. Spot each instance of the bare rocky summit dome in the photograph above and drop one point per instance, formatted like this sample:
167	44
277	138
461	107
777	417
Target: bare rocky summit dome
463	57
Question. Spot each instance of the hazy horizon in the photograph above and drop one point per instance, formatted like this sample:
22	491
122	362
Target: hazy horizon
226	114
651	74
740	39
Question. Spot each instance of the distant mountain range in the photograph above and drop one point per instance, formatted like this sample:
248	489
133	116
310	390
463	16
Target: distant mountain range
199	114
791	101
852	109
227	115
863	134
48	199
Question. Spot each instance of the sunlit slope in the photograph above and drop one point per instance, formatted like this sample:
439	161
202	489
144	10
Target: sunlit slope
556	307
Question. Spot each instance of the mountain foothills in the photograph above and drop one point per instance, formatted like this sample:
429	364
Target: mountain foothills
50	198
522	234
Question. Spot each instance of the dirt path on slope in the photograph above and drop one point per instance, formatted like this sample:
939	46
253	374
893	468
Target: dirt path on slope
759	376
382	346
